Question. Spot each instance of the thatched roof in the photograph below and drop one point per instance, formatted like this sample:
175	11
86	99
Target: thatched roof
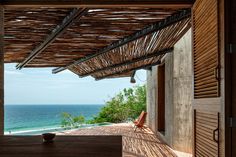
102	42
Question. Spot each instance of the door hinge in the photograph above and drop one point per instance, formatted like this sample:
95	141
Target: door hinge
232	122
231	48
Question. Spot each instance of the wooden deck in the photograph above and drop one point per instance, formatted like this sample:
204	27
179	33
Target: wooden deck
135	144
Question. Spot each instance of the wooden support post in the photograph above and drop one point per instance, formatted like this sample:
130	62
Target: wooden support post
1	71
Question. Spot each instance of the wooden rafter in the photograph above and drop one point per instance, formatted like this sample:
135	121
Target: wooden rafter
74	15
99	3
150	29
157	53
128	70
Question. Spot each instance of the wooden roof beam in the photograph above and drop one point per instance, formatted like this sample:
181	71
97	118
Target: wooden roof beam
74	15
150	29
128	70
99	3
155	54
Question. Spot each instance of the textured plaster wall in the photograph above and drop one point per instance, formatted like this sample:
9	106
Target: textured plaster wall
169	93
151	98
182	83
178	96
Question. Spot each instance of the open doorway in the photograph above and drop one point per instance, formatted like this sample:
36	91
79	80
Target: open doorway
161	98
230	84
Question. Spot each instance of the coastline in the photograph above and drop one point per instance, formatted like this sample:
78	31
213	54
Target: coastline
56	129
38	119
31	131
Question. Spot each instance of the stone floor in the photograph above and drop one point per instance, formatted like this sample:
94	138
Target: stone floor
135	144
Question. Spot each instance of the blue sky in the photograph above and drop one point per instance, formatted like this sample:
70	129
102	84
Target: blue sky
39	86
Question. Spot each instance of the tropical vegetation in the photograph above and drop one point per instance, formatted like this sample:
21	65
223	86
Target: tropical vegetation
125	106
69	121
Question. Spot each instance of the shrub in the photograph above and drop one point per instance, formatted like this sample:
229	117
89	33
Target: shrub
126	105
69	121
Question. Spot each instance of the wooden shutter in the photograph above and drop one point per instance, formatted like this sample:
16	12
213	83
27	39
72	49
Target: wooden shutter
206	78
205	47
206	133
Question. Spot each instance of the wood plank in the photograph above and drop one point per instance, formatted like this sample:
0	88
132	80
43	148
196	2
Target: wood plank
134	143
1	71
207	135
207	130
211	153
208	117
207	120
99	3
205	125
205	105
207	143
206	49
200	153
70	146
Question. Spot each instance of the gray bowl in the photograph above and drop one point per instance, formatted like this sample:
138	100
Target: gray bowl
48	137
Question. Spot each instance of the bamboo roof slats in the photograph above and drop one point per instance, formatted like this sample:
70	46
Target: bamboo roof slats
147	30
102	42
27	28
75	14
141	53
83	38
130	62
90	37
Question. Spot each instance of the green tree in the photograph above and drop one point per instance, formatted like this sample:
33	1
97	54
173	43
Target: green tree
127	104
69	121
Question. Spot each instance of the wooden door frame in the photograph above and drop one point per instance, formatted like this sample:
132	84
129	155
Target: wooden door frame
228	79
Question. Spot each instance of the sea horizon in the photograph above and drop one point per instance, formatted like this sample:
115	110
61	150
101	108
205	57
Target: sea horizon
39	118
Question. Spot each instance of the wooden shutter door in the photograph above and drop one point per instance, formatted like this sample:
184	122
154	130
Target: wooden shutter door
206	104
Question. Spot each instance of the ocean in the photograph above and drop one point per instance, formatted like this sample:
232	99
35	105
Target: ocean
36	119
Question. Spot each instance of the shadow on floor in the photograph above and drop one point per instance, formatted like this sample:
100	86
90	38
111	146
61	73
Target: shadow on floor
142	143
